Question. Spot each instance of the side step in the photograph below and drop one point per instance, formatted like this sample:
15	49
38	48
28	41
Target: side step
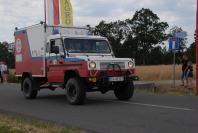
52	86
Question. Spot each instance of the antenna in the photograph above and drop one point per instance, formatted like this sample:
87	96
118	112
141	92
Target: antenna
45	21
45	11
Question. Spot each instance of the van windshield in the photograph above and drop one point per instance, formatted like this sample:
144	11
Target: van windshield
87	46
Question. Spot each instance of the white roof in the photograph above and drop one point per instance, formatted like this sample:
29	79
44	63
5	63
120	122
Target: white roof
84	37
77	36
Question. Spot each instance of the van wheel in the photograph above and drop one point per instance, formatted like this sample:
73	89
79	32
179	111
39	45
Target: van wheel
124	91
28	90
75	91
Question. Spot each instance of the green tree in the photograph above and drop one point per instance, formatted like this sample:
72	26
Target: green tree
192	52
6	56
113	33
156	56
136	37
148	31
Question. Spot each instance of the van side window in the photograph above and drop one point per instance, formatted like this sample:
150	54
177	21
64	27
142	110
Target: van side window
57	42
52	44
47	47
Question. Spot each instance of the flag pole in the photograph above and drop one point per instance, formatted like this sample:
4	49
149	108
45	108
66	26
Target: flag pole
197	50
45	11
45	15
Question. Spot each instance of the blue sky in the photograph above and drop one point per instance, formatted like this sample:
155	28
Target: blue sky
20	13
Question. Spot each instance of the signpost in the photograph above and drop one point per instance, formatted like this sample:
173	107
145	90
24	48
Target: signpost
174	43
182	34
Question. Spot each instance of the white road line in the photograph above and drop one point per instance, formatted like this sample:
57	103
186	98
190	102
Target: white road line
162	106
150	105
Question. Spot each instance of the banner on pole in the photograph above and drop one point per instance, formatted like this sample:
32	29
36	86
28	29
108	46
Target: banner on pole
56	12
66	13
59	12
50	12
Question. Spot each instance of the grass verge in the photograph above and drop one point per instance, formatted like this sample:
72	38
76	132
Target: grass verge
168	90
159	72
12	78
10	123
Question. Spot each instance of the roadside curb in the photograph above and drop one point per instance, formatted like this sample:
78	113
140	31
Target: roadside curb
147	85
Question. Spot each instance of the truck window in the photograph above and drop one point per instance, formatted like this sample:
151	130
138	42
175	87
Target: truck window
52	44
48	47
87	46
57	42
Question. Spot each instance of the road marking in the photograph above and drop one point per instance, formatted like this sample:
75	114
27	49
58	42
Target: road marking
150	105
162	106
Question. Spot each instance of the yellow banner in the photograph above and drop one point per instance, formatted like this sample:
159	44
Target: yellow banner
66	13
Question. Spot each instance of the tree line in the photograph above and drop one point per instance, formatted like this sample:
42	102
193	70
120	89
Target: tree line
6	55
142	37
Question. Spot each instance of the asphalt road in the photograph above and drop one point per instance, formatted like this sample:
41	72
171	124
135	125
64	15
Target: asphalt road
145	113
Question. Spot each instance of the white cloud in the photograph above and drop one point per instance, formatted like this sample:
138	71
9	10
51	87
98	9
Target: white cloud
22	13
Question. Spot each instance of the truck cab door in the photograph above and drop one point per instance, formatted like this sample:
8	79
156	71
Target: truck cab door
55	61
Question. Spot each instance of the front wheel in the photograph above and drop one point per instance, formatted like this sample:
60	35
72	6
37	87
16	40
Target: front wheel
28	90
75	91
124	91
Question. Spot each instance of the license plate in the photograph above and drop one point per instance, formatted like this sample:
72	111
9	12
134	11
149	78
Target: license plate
116	79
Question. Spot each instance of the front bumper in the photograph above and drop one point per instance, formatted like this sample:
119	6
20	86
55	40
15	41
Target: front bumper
101	78
105	80
104	84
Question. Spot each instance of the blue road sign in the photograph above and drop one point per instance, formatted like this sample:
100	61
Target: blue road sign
174	43
182	34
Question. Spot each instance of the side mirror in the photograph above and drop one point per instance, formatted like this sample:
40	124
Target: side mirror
55	50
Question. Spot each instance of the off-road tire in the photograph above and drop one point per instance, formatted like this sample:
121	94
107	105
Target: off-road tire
75	91
28	89
125	91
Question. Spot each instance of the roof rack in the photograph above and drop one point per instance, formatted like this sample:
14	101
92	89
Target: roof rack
62	29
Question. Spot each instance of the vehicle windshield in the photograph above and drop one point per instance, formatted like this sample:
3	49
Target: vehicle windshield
87	46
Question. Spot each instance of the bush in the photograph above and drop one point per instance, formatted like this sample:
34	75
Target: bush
12	78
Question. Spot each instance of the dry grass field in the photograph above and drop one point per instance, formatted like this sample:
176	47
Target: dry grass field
152	73
158	72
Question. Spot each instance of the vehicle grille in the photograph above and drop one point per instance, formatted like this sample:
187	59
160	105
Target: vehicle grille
105	65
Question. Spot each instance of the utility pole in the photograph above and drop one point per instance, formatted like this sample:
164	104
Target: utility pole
197	51
174	53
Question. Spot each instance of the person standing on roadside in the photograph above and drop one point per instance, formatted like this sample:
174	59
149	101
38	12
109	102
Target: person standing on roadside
190	75
5	72
1	72
184	62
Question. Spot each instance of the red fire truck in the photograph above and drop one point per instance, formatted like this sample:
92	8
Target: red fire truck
50	57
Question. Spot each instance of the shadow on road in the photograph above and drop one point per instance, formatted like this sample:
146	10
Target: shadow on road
61	99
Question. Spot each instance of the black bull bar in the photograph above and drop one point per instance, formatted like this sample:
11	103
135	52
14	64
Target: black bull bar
116	70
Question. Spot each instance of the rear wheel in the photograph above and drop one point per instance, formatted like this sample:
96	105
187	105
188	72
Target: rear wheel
28	90
124	91
75	91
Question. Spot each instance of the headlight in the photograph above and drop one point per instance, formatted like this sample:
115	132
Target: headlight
131	64
92	65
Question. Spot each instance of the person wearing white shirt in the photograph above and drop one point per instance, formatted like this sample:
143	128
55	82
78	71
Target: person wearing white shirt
5	72
1	72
